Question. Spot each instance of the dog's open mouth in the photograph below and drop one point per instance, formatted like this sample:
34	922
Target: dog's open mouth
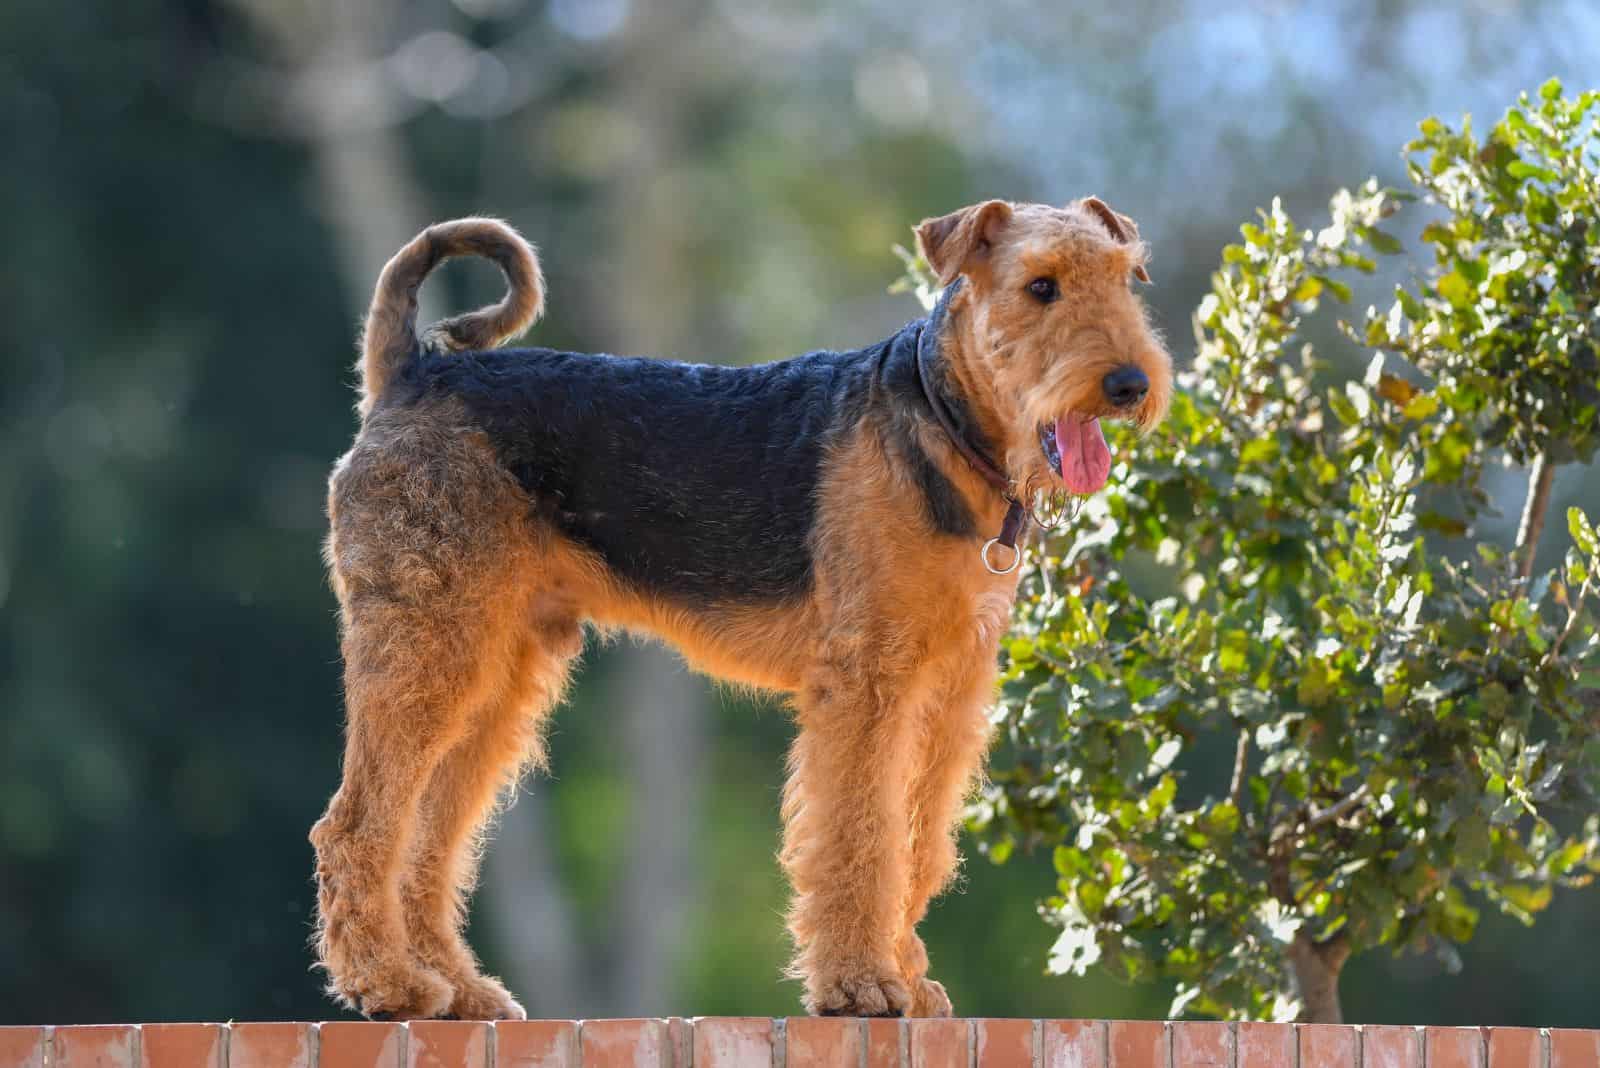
1077	452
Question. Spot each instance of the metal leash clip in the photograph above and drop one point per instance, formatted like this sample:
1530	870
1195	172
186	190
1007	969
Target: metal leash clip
1065	510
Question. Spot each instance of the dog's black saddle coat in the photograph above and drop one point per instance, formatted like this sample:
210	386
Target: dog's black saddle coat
692	481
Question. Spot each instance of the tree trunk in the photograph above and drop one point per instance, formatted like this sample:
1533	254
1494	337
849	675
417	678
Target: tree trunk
334	101
663	734
1316	974
664	709
1540	479
531	914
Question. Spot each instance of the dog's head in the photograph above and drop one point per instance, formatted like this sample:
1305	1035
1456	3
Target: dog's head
1047	337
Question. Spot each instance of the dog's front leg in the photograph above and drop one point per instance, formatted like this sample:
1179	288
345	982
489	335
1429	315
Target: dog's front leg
846	847
952	737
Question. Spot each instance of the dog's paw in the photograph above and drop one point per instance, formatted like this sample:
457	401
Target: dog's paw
860	995
482	998
400	994
928	998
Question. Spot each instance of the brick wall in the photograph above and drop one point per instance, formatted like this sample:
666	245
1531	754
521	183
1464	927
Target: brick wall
721	1042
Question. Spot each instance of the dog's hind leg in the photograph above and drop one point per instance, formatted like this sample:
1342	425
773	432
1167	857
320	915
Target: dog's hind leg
405	712
430	557
505	738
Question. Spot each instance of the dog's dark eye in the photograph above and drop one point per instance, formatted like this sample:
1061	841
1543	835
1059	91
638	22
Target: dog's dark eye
1045	289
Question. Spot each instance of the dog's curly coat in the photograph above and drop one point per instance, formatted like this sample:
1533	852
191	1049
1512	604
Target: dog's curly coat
807	527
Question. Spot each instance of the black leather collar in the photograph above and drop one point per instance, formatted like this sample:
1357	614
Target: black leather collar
1016	515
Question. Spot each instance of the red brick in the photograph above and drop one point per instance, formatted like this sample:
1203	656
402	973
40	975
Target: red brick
624	1043
1265	1045
1515	1047
448	1044
1453	1047
1202	1045
883	1043
822	1042
1003	1043
1391	1047
181	1046
535	1044
1138	1044
22	1047
97	1047
1074	1044
272	1045
1328	1046
938	1043
1574	1049
360	1045
680	1042
732	1042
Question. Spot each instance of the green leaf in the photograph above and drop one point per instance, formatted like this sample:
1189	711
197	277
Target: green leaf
1522	169
1223	818
1335	286
1550	90
1160	798
1420	407
1410	305
1529	899
1234	656
1570	856
1456	289
1308	290
1583	533
1259	450
1343	409
1387	244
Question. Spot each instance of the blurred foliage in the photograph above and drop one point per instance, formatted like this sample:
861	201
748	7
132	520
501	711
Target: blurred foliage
1413	724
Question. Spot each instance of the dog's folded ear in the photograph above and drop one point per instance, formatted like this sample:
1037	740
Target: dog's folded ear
954	244
1124	229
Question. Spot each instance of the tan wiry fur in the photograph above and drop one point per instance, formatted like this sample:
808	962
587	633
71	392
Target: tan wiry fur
461	612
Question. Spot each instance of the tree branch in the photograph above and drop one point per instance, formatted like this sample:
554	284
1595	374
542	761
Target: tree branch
1334	811
1540	479
1241	759
1574	614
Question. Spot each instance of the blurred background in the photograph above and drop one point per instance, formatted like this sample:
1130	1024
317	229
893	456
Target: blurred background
196	198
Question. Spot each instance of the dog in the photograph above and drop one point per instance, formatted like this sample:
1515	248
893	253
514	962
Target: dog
842	528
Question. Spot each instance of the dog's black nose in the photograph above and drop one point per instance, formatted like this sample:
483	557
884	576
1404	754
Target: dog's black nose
1125	387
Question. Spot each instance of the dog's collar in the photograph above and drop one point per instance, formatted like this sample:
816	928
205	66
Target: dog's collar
1016	514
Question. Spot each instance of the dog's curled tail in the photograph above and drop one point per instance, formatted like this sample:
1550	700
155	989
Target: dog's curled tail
390	337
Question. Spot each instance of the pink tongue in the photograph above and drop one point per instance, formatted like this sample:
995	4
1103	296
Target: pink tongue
1085	460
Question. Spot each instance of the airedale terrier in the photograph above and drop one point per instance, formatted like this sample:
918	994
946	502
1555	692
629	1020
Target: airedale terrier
841	528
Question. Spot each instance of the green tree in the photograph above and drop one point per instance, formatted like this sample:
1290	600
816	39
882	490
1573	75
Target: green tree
1414	724
1506	320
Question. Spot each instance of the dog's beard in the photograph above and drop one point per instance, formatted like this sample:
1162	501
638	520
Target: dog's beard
1064	403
